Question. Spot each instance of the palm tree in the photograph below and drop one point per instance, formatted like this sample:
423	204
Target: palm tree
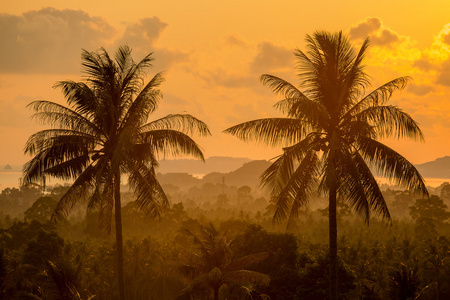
103	133
330	135
211	267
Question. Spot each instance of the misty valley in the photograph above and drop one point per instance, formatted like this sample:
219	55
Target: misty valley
219	233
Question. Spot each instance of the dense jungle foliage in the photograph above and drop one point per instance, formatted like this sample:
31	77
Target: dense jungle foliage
219	238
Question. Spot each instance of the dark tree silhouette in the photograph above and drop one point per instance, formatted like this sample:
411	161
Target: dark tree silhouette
211	267
330	136
103	134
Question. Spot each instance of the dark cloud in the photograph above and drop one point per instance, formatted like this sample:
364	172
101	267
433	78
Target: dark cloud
386	37
271	57
49	40
235	41
223	78
373	28
142	36
424	64
366	28
446	38
420	90
443	77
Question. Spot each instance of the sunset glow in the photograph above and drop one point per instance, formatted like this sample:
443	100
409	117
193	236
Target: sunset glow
213	54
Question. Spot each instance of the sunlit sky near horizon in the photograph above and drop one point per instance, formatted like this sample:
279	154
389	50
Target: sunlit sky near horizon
213	53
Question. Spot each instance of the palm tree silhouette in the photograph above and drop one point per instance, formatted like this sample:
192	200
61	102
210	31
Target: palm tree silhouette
212	267
330	136
103	133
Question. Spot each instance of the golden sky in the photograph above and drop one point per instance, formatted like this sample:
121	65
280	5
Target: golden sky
213	53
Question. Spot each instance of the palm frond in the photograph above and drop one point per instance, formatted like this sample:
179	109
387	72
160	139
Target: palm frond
350	186
391	164
80	96
312	113
371	188
146	102
184	123
280	86
302	184
390	121
60	116
379	96
78	191
171	142
150	196
279	173
270	131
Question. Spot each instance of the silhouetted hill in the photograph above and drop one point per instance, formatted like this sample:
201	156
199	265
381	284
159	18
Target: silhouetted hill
438	168
220	164
247	174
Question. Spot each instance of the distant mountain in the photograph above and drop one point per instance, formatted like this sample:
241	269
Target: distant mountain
213	164
438	168
247	174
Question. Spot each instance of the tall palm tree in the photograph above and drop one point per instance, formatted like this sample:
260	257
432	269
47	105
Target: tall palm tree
331	135
103	133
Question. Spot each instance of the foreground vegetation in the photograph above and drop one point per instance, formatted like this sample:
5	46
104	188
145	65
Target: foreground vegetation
204	238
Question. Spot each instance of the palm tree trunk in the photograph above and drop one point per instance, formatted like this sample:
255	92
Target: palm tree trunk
216	293
333	243
119	239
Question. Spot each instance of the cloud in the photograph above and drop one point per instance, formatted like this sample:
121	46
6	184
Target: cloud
420	90
424	64
443	77
236	41
49	40
386	37
446	38
221	77
271	57
378	34
365	28
142	36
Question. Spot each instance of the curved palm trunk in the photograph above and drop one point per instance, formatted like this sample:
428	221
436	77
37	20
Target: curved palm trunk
119	239
333	243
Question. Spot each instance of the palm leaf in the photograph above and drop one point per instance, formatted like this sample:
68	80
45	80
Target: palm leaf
184	123
271	131
171	142
391	164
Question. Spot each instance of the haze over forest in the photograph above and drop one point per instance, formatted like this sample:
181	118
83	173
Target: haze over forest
226	150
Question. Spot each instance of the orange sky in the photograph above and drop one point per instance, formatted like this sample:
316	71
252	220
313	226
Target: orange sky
213	53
